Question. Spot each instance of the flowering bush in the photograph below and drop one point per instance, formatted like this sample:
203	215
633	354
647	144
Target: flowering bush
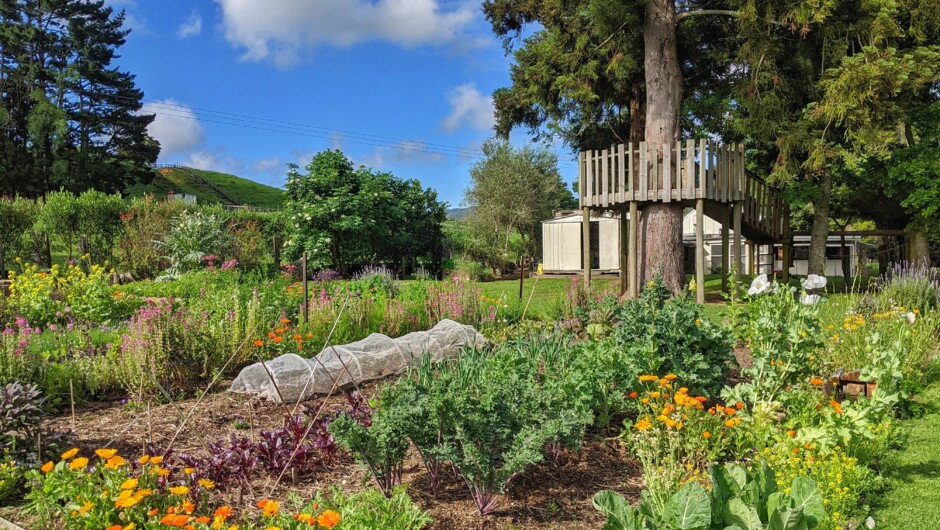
674	436
78	291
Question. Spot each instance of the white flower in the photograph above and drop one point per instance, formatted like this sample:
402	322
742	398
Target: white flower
814	281
810	299
793	290
911	317
760	285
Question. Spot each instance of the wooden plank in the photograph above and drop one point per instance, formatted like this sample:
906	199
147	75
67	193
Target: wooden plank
700	251
624	243
741	173
725	252
586	244
631	253
582	184
605	177
702	163
690	169
590	177
666	194
621	173
631	186
644	172
738	245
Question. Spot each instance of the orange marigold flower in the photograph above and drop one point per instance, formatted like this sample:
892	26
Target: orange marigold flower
296	336
791	433
647	378
285	321
711	410
309	335
143	460
730	411
115	527
115	462
655	395
189	507
328	519
129	484
106	454
671	377
79	463
739	405
729	423
271	335
202	520
837	406
68	455
279	331
643	424
259	343
177	520
153	511
796	450
645	400
278	339
270	508
706	435
86	507
47	467
224	512
157	460
816	381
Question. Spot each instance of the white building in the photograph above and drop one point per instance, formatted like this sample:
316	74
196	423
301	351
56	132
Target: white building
561	247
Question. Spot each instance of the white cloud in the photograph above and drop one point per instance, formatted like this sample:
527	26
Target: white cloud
405	152
191	27
175	127
215	160
281	30
268	165
469	107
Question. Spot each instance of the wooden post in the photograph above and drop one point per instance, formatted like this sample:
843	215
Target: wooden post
624	242
521	274
632	258
276	250
700	251
785	267
738	246
586	244
751	255
725	250
303	271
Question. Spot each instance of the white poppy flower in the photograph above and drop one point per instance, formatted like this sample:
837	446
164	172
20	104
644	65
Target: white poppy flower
810	299
760	285
815	281
911	317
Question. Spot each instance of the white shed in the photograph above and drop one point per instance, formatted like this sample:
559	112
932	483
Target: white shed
561	243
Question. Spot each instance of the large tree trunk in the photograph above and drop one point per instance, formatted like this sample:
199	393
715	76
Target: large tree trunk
819	233
662	223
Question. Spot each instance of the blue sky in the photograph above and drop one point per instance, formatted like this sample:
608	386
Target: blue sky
247	86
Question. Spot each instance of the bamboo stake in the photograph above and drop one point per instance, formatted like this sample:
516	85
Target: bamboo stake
72	399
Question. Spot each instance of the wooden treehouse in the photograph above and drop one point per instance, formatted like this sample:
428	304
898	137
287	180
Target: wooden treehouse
698	174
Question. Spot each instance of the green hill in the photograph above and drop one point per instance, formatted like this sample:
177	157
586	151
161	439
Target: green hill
210	187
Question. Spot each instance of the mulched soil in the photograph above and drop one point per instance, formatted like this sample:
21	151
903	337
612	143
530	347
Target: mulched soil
553	495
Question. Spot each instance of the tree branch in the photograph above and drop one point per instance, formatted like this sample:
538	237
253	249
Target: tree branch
702	12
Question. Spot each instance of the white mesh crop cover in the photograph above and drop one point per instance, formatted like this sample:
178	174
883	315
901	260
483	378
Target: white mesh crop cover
290	377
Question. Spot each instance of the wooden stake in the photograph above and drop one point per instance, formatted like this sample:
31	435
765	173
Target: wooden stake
521	274
700	251
72	399
303	270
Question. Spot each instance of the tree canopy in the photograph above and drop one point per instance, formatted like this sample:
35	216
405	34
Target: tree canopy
345	216
69	118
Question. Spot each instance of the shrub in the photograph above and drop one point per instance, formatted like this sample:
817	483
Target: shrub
64	294
17	218
191	238
21	423
144	225
366	510
99	224
674	337
910	285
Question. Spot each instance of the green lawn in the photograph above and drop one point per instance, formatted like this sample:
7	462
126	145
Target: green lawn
549	291
912	497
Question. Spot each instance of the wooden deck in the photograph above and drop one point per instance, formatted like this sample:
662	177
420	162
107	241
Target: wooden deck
698	174
682	172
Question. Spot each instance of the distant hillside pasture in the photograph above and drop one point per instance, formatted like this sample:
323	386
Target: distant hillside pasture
211	187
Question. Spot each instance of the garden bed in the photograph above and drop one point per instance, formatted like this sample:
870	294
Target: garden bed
551	495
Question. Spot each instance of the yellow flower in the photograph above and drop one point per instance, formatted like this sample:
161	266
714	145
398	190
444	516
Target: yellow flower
647	378
79	463
115	462
129	484
68	455
156	460
86	507
206	483
179	490
106	454
47	467
189	470
143	460
643	424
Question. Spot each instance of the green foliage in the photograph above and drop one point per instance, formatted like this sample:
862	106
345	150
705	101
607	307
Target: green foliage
63	294
344	216
17	218
74	119
674	337
99	223
145	224
11	479
191	238
370	509
60	216
738	499
21	424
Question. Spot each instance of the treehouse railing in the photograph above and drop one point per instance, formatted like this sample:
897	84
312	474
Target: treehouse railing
682	171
